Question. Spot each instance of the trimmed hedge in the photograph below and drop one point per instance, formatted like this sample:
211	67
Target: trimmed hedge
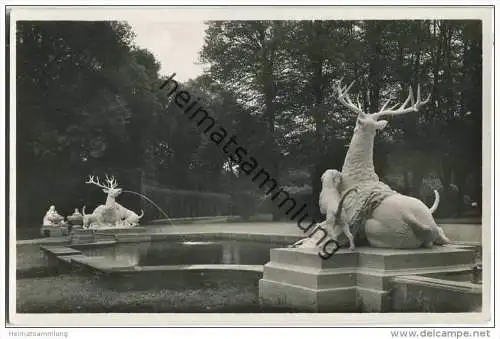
182	203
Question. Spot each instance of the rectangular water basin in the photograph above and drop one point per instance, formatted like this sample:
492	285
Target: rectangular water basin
239	252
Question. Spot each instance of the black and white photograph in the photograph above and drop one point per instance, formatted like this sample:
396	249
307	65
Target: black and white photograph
250	160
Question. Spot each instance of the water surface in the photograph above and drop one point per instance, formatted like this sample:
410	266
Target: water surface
188	252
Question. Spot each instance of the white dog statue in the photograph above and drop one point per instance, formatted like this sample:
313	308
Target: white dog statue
331	204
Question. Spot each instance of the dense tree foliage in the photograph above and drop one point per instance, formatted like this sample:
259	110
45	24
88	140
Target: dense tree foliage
84	98
88	101
284	71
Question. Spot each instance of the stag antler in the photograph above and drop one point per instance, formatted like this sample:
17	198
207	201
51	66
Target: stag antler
415	106
112	183
343	97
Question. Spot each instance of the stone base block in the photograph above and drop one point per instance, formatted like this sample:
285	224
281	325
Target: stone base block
414	293
54	231
53	253
74	228
373	300
350	281
303	299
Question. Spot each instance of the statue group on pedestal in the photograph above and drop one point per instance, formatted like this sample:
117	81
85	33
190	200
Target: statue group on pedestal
365	210
109	215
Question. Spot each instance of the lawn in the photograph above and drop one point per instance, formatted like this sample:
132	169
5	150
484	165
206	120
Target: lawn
74	293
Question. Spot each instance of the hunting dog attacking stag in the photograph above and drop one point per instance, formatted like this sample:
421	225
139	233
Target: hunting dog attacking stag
331	204
375	212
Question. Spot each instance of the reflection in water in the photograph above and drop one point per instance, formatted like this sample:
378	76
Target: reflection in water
188	253
131	256
197	242
230	253
127	253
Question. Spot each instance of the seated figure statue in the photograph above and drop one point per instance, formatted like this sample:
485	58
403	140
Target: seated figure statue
52	218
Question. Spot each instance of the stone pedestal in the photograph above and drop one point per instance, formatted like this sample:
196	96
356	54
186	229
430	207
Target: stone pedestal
54	231
85	236
357	281
75	228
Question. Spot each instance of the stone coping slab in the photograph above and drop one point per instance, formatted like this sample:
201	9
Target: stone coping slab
383	251
60	250
101	243
412	271
192	220
138	229
101	263
457	286
207	267
376	258
44	241
67	258
277	238
367	271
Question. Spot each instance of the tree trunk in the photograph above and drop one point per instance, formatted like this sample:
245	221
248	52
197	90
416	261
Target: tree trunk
375	68
273	154
316	65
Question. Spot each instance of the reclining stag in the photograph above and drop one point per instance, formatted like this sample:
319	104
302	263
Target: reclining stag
376	214
111	213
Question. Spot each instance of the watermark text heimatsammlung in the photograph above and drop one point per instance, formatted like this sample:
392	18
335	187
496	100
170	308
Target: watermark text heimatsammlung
248	164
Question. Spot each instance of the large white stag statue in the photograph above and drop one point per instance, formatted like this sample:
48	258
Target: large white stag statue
377	213
111	214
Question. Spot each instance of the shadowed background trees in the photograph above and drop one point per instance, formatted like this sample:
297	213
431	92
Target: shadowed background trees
289	67
88	101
